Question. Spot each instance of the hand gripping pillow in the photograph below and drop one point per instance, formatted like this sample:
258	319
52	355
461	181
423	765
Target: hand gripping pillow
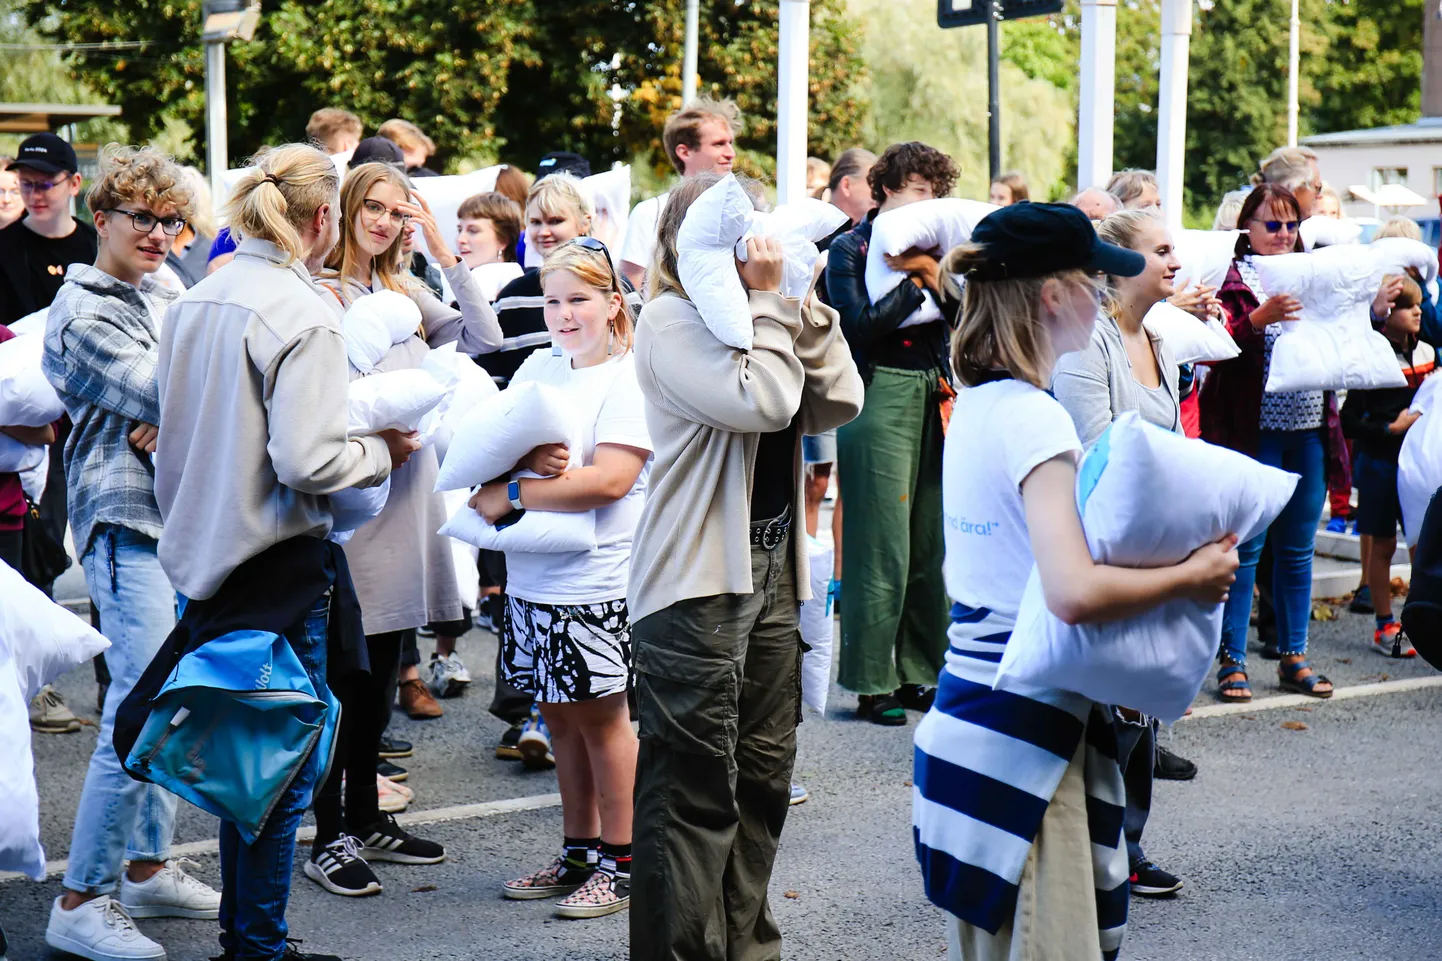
374	324
1190	339
1205	256
705	259
931	225
1329	231
392	400
502	429
1332	344
444	195
20	848
1419	466
1147	498
44	638
816	629
537	532
799	226
26	397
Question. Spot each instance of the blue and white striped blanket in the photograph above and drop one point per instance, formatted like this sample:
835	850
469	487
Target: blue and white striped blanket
987	765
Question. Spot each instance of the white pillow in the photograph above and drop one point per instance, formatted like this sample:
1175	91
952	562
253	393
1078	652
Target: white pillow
1395	254
26	397
1190	339
816	629
374	324
705	260
353	508
1329	231
502	429
931	225
799	226
1332	345
31	323
537	532
1147	498
392	400
463	555
1205	256
44	638
466	384
1419	466
610	194
492	277
33	480
444	195
16	457
20	848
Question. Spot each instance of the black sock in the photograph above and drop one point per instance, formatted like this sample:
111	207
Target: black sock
582	855
616	859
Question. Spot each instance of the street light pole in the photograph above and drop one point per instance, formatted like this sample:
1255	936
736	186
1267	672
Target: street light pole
1294	63
688	60
216	145
1097	112
791	99
993	83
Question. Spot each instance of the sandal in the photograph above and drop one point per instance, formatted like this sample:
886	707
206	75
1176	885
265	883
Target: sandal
1225	687
1289	681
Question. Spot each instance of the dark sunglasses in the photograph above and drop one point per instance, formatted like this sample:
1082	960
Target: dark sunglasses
1274	226
144	221
591	243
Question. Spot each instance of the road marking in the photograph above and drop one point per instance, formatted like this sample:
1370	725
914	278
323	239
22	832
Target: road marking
457	812
1296	700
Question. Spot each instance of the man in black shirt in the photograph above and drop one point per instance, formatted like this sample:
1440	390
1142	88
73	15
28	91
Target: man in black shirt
36	250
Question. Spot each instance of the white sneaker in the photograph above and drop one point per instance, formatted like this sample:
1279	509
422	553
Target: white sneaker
101	930
171	893
447	676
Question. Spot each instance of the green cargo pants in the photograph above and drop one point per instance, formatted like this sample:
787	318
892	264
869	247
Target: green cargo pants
718	683
894	608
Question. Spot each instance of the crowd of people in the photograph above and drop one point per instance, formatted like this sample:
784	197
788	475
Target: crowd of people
201	361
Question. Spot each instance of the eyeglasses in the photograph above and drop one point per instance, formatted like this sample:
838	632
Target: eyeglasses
591	243
144	221
1276	226
376	210
41	186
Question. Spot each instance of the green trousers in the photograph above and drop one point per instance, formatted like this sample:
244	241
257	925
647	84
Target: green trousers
894	610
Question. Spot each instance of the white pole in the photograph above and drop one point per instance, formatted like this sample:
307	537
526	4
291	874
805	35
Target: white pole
1294	62
1098	93
688	60
791	100
216	147
1172	116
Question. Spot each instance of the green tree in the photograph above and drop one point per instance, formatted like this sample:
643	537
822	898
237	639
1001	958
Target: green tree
1372	73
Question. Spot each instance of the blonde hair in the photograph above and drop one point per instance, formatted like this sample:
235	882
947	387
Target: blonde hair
663	276
403	134
388	265
1129	185
203	217
593	268
560	195
1229	210
140	174
1404	227
1288	166
1000	323
278	195
328	122
818	170
1124	229
684	126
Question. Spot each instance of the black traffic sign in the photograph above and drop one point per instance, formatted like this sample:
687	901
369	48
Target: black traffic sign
971	13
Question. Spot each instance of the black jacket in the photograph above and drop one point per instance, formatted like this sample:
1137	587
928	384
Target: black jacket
1367	413
870	328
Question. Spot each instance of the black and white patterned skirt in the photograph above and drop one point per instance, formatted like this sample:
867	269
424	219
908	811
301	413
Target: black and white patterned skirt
565	653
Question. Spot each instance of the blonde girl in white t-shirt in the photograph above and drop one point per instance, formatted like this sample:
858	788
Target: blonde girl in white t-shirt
1016	802
566	637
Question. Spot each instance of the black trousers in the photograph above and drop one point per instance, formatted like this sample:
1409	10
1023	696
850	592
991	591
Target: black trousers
364	709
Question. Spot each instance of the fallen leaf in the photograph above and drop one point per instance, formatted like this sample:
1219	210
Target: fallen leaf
1344	660
906	784
1385	677
1304	709
1294	725
1249	717
793	895
423	889
1323	612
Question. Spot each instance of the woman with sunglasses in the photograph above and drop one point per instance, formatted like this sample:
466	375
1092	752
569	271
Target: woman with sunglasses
102	353
566	639
403	572
1297	431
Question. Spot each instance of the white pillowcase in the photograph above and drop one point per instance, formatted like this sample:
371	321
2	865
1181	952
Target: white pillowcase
931	225
20	848
354	507
44	639
798	226
374	324
1147	498
444	195
26	397
503	428
492	277
16	457
1205	256
816	628
1329	231
1419	466
466	384
537	532
1332	345
31	323
1190	339
392	400
610	194
463	555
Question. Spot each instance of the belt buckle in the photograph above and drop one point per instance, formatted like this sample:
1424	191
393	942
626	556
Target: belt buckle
771	535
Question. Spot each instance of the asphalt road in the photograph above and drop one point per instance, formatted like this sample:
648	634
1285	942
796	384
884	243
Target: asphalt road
1295	844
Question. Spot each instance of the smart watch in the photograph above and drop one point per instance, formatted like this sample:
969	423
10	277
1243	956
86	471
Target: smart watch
513	491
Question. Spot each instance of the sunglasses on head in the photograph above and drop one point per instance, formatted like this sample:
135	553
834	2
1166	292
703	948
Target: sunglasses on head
591	243
1274	226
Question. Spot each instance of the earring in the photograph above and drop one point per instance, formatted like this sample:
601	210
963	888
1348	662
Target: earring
611	341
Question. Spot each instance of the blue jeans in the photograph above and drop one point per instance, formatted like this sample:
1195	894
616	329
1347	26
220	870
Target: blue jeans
120	818
1293	535
255	878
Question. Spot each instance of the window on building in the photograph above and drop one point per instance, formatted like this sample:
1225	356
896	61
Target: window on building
1382	176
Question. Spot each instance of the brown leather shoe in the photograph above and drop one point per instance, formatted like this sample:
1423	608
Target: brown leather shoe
417	701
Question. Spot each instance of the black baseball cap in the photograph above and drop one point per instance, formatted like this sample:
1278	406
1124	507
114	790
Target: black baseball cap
46	153
377	150
1032	240
563	161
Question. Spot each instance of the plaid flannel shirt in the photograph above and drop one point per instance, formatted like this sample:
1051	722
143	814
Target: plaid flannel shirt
102	352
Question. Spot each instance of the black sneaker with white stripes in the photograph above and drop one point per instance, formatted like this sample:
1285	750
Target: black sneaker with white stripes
385	840
339	868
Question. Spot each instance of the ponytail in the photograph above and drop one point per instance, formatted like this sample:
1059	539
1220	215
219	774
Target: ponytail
279	194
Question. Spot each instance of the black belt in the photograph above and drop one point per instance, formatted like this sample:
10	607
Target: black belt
770	534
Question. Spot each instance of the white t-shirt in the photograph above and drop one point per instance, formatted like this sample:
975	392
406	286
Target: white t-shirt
640	241
609	404
999	433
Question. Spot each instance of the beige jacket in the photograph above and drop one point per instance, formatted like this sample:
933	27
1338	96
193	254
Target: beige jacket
706	406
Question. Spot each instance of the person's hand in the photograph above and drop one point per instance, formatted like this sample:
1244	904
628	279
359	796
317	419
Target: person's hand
1404	420
420	214
548	460
1387	295
925	270
142	438
401	446
1212	569
491	501
764	265
1199	301
1279	308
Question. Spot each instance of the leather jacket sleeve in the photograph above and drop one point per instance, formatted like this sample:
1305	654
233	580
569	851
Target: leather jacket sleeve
862	322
